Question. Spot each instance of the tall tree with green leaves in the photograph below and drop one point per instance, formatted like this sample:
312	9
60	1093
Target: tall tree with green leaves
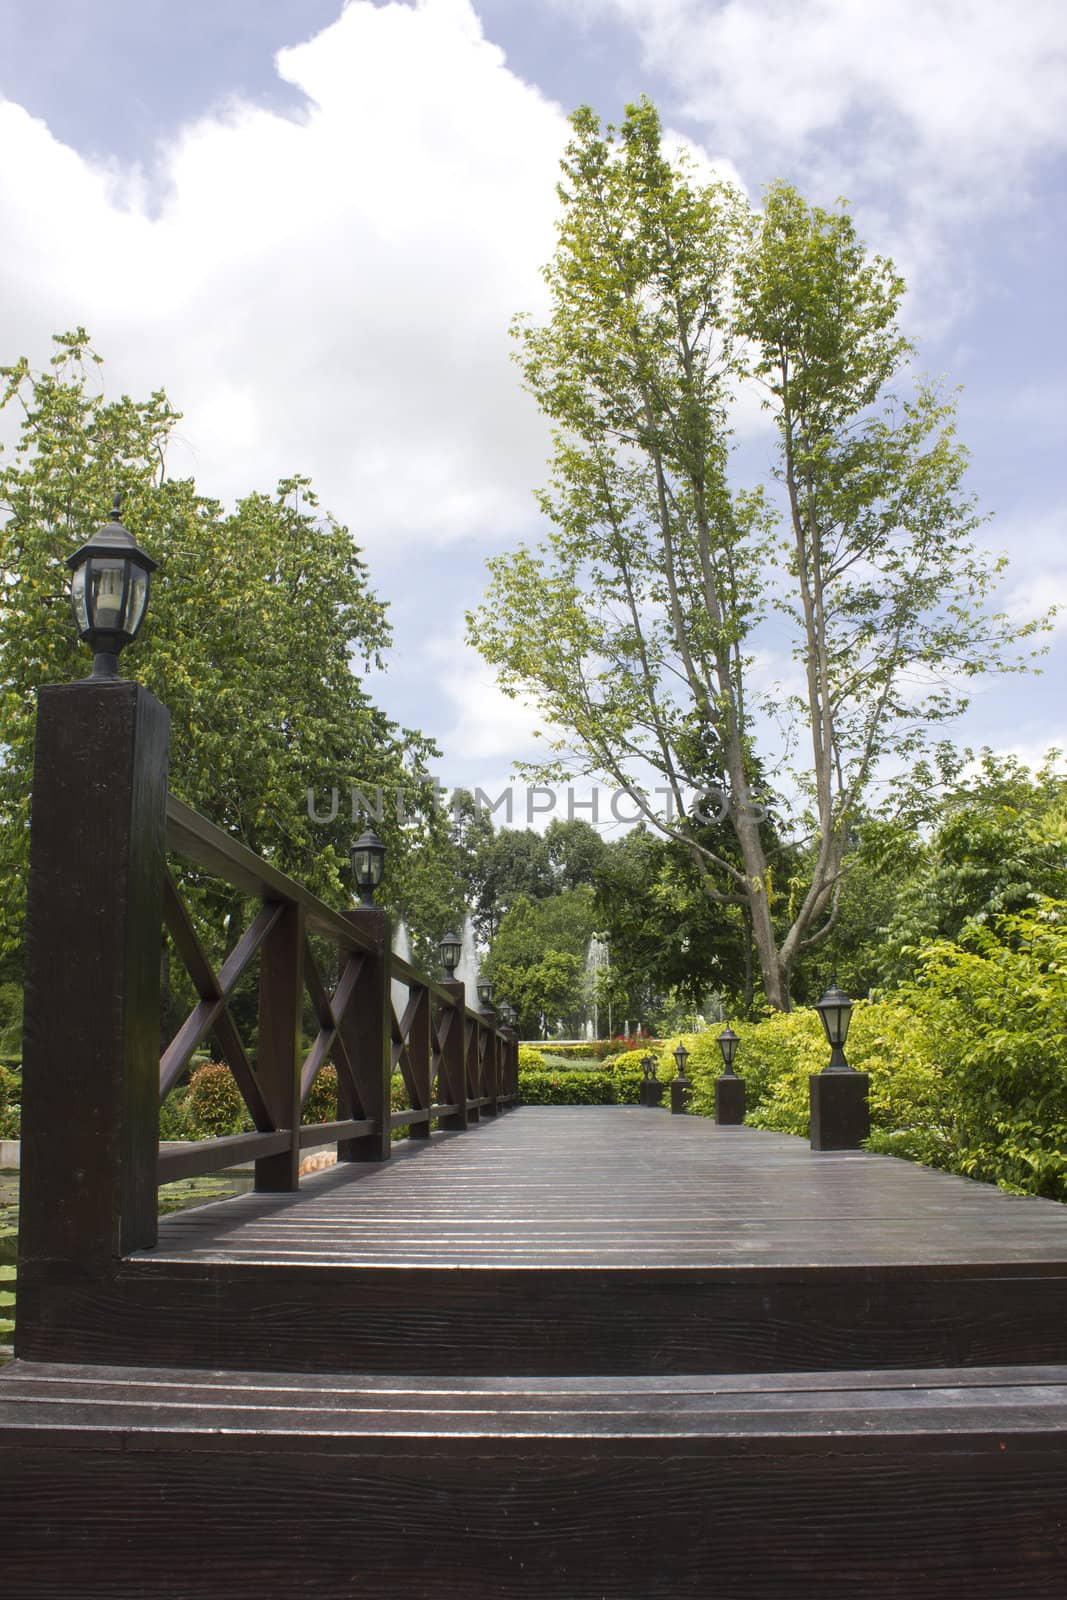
260	620
634	626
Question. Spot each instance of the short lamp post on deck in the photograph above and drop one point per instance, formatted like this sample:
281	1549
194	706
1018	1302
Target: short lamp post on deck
453	1068
651	1088
368	860
729	1088
838	1095
485	997
681	1088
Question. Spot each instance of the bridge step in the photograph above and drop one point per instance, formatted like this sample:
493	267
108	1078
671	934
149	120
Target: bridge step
178	1482
548	1320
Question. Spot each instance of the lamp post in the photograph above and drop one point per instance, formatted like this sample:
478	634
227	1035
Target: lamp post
681	1088
451	948
838	1095
654	1091
485	996
835	1009
453	1068
729	1088
110	578
368	860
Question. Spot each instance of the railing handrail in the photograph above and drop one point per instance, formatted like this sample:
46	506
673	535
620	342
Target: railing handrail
209	847
99	894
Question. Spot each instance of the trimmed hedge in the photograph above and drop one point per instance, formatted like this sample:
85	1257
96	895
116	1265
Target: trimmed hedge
571	1087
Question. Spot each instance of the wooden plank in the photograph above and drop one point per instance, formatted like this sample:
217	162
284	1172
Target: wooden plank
968	1504
200	842
281	993
316	1133
211	1155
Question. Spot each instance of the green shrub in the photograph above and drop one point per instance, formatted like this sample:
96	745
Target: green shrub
10	1103
567	1088
174	1118
584	1050
213	1105
321	1103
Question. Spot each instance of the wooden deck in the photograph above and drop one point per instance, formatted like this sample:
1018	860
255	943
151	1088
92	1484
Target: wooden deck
590	1354
585	1240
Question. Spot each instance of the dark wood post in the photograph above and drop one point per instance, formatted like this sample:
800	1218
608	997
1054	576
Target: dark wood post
511	1064
729	1100
420	1059
471	1045
281	1003
453	1069
90	1096
368	1036
488	1055
839	1109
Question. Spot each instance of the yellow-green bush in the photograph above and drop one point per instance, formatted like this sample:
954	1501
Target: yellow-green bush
10	1094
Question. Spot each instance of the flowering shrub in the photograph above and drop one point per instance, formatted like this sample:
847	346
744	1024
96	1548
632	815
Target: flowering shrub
213	1104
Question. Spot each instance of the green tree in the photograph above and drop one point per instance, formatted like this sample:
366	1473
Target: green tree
537	960
633	626
670	942
260	619
576	851
510	864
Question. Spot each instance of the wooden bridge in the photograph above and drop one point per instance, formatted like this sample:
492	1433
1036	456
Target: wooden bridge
576	1353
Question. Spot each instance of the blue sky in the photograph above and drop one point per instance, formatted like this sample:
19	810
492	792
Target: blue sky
313	229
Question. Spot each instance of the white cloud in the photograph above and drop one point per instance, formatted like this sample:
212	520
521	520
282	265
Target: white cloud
925	113
961	82
328	294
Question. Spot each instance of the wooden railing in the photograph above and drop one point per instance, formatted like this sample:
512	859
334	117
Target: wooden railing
100	891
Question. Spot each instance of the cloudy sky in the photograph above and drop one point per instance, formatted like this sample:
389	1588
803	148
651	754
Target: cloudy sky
312	225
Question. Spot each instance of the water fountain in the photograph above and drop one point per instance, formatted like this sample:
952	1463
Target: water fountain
468	966
597	960
401	948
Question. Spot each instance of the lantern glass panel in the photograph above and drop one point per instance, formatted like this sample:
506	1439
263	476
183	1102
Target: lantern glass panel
361	866
78	598
107	594
138	600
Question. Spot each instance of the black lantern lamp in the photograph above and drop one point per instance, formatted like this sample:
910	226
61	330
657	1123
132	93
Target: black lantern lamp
653	1068
485	994
508	1016
728	1042
451	948
646	1067
681	1056
835	1009
368	859
109	592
